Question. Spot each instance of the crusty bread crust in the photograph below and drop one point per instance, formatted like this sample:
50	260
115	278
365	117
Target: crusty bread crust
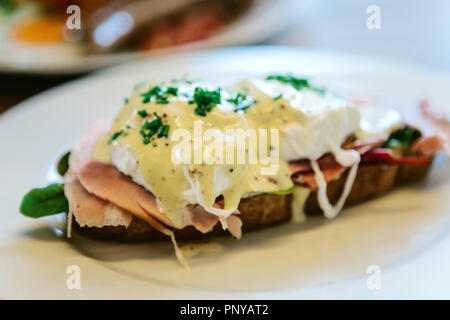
266	210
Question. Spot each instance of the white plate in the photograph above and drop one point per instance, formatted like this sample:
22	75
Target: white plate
404	232
264	19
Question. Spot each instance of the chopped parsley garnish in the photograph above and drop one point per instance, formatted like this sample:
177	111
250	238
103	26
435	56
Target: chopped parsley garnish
164	131
205	100
200	111
162	100
159	94
156	126
146	140
152	92
126	100
402	138
278	97
143	113
238	99
241	101
172	90
116	135
296	83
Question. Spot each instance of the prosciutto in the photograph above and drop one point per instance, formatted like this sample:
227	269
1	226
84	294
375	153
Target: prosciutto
304	174
234	225
92	211
428	146
109	184
440	124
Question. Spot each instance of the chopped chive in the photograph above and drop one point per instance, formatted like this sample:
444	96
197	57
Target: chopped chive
150	128
116	135
200	111
164	131
242	102
172	90
159	94
143	113
205	100
296	83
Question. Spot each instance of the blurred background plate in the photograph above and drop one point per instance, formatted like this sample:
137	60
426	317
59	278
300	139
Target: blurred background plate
262	20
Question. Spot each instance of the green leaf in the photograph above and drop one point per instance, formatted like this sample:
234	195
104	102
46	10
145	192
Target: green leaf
116	135
402	138
7	6
44	201
205	100
284	192
63	164
142	113
296	83
278	97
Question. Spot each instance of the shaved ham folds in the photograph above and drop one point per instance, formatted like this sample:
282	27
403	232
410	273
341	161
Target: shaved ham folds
91	211
304	174
109	184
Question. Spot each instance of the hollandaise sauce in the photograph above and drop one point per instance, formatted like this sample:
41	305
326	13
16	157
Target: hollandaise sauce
197	143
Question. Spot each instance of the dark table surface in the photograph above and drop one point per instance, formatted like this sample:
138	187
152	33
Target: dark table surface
16	88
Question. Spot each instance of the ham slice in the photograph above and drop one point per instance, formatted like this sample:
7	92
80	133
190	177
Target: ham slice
161	228
440	123
234	225
205	221
303	173
428	146
109	184
91	211
202	220
82	153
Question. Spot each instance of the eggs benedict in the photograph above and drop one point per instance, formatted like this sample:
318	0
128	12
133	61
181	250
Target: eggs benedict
187	159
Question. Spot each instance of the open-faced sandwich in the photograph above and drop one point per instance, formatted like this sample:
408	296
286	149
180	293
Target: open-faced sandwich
186	160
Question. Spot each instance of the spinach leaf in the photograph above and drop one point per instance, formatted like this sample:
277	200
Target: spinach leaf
296	83
284	192
63	164
402	138
44	201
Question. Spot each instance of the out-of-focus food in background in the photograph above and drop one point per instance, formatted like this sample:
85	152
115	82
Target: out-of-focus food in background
116	26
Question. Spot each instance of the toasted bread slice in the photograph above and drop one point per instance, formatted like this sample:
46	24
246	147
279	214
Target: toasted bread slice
262	211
